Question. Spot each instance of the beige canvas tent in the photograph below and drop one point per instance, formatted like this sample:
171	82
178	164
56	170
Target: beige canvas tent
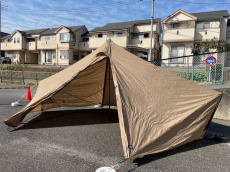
157	110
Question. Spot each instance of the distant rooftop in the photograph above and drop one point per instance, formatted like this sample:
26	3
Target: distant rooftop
123	25
3	34
52	31
211	15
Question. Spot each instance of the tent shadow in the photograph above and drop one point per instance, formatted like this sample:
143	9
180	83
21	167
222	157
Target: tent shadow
50	119
214	129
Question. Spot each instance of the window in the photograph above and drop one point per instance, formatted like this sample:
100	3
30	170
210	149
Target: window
64	54
206	25
102	35
15	40
75	55
176	25
10	40
30	39
18	40
48	55
142	54
177	51
67	37
143	35
72	37
54	55
48	38
203	25
117	34
85	39
64	37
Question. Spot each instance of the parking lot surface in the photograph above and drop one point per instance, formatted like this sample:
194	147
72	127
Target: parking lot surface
61	141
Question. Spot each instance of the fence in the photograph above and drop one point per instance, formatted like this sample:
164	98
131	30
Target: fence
24	77
194	68
191	67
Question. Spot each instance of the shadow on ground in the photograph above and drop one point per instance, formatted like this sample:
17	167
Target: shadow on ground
214	129
51	119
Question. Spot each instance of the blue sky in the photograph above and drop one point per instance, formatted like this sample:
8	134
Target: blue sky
22	14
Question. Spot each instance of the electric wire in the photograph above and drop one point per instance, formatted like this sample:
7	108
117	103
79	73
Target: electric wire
204	3
68	11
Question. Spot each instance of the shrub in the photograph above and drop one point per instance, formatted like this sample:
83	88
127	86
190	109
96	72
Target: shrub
197	77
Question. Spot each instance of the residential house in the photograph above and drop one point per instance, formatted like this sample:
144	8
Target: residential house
2	34
21	46
60	46
181	30
131	35
45	46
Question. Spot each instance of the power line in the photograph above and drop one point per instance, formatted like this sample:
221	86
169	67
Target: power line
82	10
208	3
15	21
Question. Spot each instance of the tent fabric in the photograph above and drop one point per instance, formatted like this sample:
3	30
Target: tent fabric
157	110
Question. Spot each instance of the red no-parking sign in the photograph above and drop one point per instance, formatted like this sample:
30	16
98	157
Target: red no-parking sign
210	61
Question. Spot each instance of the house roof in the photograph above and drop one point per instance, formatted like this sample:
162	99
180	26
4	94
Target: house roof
53	30
211	15
4	35
203	16
37	31
30	32
123	25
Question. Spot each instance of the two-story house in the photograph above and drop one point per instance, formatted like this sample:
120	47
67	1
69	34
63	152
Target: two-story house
21	46
57	46
60	46
131	35
182	29
2	34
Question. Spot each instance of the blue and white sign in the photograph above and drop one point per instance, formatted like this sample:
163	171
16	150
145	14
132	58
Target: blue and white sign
210	61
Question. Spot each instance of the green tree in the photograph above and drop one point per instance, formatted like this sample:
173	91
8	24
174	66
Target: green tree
215	45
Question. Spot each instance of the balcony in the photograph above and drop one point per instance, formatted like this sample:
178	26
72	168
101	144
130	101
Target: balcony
31	45
142	42
97	42
84	46
47	44
179	34
10	46
207	34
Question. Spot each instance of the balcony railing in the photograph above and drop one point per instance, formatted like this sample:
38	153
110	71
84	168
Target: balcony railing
31	45
175	35
142	42
97	42
47	44
84	46
11	46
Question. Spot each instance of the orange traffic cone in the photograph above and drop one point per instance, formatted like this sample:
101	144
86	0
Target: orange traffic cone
28	96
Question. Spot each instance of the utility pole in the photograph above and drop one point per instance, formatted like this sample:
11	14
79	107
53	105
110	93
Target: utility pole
74	19
36	23
151	34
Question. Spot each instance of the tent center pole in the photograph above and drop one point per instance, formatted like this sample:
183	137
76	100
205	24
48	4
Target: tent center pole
109	91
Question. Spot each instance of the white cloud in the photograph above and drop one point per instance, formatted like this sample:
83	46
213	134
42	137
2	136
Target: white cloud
53	13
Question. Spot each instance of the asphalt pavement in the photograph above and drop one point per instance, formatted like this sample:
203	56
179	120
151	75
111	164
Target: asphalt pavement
66	141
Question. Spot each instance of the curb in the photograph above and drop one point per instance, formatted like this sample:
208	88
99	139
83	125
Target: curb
13	88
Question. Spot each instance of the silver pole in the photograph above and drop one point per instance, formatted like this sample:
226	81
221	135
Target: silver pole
151	34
